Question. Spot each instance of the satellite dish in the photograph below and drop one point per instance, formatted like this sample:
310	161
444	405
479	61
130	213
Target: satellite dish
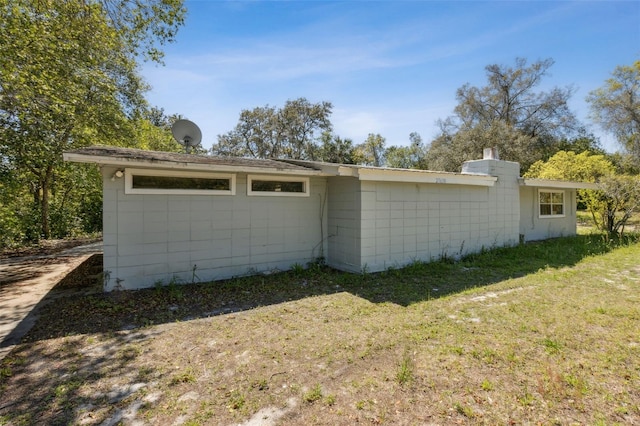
187	133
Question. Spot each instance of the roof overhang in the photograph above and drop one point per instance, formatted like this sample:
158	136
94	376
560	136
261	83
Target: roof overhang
560	184
424	176
114	161
386	174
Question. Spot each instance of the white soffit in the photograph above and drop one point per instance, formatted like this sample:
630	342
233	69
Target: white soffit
547	183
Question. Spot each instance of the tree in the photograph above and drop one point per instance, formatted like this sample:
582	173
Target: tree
567	165
507	113
408	157
616	107
615	203
69	79
153	131
371	152
267	132
334	149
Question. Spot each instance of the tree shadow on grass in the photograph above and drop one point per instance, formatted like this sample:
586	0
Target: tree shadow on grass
46	382
97	312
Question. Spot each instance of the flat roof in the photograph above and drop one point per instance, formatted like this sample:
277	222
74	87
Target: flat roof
130	157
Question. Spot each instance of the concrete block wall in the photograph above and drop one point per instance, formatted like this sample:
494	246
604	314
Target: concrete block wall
403	222
344	228
151	239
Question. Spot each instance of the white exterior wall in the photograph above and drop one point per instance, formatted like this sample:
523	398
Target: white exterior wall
403	222
344	228
533	227
157	238
375	225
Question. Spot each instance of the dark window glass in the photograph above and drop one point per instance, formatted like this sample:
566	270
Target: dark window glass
171	182
276	186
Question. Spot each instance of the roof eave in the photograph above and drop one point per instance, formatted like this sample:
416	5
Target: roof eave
560	184
421	176
164	164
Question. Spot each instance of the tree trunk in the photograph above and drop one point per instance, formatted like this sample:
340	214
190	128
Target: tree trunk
44	203
44	210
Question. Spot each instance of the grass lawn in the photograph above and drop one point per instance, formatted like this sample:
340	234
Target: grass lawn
541	333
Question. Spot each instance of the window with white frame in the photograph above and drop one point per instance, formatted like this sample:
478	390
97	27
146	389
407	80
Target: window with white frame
282	186
551	203
149	181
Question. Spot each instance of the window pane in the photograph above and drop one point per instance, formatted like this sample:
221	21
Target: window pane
558	197
169	182
545	197
545	209
557	209
276	186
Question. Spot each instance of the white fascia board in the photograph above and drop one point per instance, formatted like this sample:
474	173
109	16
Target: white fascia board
420	176
562	184
123	162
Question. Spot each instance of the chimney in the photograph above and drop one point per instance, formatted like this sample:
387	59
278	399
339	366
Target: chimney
490	154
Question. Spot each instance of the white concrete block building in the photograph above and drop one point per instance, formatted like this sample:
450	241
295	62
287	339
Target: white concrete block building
177	216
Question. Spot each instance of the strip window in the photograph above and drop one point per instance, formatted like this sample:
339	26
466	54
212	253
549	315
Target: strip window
141	181
278	186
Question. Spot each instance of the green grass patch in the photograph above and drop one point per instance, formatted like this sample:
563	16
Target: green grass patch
540	333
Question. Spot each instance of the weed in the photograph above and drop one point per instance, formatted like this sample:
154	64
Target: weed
330	400
144	373
404	375
260	384
487	385
577	383
5	371
174	288
236	400
187	376
364	271
297	269
552	347
526	399
457	350
313	395
464	410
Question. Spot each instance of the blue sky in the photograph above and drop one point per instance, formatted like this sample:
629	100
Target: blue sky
388	67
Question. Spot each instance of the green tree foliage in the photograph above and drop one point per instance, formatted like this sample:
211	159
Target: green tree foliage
334	149
507	113
153	131
567	165
616	108
372	151
617	198
268	132
69	78
413	156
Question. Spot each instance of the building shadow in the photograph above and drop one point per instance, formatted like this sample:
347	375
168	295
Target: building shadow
78	306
